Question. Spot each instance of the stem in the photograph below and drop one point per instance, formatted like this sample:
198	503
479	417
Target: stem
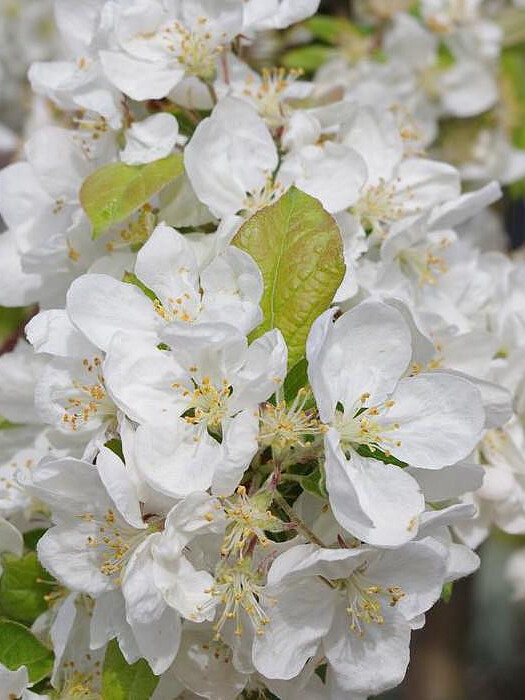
225	68
212	92
300	525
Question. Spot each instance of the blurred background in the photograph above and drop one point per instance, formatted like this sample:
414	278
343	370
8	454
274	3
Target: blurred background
473	646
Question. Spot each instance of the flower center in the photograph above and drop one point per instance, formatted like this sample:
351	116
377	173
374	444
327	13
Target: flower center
259	199
175	309
196	51
85	402
207	404
137	231
248	519
366	600
270	95
378	207
283	426
238	590
426	263
367	426
115	542
79	686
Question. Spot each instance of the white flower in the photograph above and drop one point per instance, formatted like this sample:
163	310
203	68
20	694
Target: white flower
150	140
205	388
429	421
356	603
276	14
101	542
231	158
78	81
39	203
159	44
228	289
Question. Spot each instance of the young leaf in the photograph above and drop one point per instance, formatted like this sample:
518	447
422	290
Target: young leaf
330	29
299	250
446	592
296	379
19	647
10	320
115	191
31	538
307	58
23	585
315	483
378	454
120	681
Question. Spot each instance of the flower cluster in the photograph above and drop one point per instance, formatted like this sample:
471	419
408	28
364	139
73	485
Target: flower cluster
273	394
27	34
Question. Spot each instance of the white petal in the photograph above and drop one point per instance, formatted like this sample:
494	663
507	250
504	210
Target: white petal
140	80
197	514
204	670
239	446
13	683
233	287
378	503
139	378
65	552
183	587
263	371
371	663
118	484
52	332
422	184
448	482
100	306
230	154
418	569
440	419
151	139
109	621
333	174
67	485
455	212
299	620
172	462
351	358
167	265
376	138
11	539
144	602
18	288
158	641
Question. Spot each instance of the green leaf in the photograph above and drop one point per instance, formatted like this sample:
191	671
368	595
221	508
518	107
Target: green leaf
329	29
131	278
296	379
116	446
120	681
10	321
307	58
298	248
31	537
376	453
19	647
7	425
446	592
315	483
23	585
115	191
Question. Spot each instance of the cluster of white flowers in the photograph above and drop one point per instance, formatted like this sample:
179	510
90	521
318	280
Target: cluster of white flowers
274	395
27	34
